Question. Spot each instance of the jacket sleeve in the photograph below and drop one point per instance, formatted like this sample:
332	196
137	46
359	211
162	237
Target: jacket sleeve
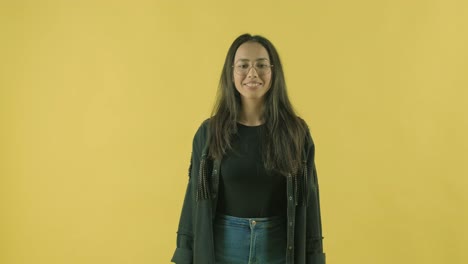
183	252
185	236
314	245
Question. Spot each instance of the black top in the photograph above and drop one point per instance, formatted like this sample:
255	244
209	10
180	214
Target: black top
246	189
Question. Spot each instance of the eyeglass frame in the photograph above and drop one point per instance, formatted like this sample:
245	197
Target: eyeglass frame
252	66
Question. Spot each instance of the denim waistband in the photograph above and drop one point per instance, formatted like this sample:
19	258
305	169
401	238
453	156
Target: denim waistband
260	222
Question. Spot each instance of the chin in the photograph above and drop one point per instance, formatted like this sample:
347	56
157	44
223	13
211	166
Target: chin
252	96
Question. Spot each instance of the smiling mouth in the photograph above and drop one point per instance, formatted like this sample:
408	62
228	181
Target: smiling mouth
252	84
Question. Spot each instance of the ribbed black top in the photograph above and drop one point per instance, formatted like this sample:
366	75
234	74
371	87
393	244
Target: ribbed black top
246	189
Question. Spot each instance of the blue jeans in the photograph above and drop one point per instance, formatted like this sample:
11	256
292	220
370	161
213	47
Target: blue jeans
250	240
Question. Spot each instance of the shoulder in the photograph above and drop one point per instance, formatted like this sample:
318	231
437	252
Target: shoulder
309	145
202	130
201	135
308	135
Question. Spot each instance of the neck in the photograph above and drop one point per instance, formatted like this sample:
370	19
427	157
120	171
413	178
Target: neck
251	113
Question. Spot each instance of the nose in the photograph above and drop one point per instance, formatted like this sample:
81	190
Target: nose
252	72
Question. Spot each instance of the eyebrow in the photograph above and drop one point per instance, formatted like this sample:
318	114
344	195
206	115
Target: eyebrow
255	60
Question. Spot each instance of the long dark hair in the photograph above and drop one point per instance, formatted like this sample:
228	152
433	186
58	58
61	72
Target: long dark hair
284	132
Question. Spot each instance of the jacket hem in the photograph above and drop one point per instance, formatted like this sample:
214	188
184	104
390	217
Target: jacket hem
318	258
182	256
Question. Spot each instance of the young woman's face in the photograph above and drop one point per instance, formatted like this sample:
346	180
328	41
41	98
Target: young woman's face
252	71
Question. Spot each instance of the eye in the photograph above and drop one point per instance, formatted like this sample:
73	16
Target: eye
262	65
243	66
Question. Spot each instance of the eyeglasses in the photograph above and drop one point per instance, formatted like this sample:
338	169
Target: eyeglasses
262	67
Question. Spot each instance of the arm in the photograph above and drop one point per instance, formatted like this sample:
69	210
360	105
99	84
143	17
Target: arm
314	245
185	236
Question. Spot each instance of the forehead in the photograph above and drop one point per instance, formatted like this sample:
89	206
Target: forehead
251	51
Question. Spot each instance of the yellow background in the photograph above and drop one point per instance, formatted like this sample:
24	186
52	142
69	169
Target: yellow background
99	102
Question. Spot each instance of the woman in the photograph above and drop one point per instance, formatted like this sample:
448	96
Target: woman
252	195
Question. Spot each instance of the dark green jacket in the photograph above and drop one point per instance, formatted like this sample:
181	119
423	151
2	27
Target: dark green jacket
195	233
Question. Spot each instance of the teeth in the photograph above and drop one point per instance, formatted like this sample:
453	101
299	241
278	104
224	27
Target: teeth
252	84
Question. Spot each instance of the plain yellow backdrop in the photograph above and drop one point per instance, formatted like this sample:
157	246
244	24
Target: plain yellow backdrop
99	102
